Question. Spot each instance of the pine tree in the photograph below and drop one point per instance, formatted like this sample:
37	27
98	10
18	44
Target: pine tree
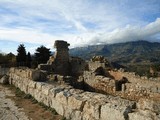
29	60
21	55
42	54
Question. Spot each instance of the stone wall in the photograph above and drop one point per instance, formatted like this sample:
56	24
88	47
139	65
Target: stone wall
3	70
126	85
138	87
94	65
59	62
72	103
78	65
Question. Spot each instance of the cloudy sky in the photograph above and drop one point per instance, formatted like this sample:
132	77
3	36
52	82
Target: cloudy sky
80	22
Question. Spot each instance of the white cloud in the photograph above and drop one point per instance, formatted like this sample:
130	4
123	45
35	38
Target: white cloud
129	33
82	22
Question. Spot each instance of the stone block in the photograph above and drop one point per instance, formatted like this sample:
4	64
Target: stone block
45	100
92	110
4	80
45	67
147	104
31	91
32	84
114	112
57	106
38	75
112	83
68	112
12	70
138	116
38	95
60	77
75	102
24	88
158	90
76	115
39	85
62	98
154	89
46	88
143	115
55	90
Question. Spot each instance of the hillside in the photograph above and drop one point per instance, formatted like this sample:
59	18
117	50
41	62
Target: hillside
136	55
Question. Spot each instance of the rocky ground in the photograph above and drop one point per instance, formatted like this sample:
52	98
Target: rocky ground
14	107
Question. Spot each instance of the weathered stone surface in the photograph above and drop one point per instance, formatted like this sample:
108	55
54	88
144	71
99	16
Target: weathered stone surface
55	90
4	79
39	85
57	106
76	115
91	110
148	104
114	112
45	67
37	95
76	102
46	88
32	84
143	115
62	98
38	75
138	116
154	89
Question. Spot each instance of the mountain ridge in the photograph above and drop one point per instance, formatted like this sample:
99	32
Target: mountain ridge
135	53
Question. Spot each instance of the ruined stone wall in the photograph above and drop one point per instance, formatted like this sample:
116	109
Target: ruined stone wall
138	87
73	103
99	83
61	58
59	62
3	71
78	65
94	65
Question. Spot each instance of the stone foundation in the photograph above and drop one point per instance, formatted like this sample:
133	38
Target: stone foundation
77	104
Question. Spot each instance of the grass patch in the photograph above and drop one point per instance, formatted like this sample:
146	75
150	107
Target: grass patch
48	108
21	94
63	118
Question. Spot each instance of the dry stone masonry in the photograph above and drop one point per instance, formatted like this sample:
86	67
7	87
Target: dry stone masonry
77	104
72	103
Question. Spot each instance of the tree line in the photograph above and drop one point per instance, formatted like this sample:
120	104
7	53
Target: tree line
24	58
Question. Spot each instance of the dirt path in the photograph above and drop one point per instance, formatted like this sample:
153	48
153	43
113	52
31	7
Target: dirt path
14	107
8	110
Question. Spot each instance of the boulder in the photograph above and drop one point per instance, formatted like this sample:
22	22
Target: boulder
39	75
4	79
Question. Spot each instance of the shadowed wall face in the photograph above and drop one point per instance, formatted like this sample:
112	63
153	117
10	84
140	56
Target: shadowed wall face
61	63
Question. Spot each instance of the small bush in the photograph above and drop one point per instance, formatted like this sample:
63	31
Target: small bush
19	93
48	108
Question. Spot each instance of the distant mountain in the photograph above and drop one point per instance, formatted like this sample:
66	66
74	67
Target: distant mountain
129	53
